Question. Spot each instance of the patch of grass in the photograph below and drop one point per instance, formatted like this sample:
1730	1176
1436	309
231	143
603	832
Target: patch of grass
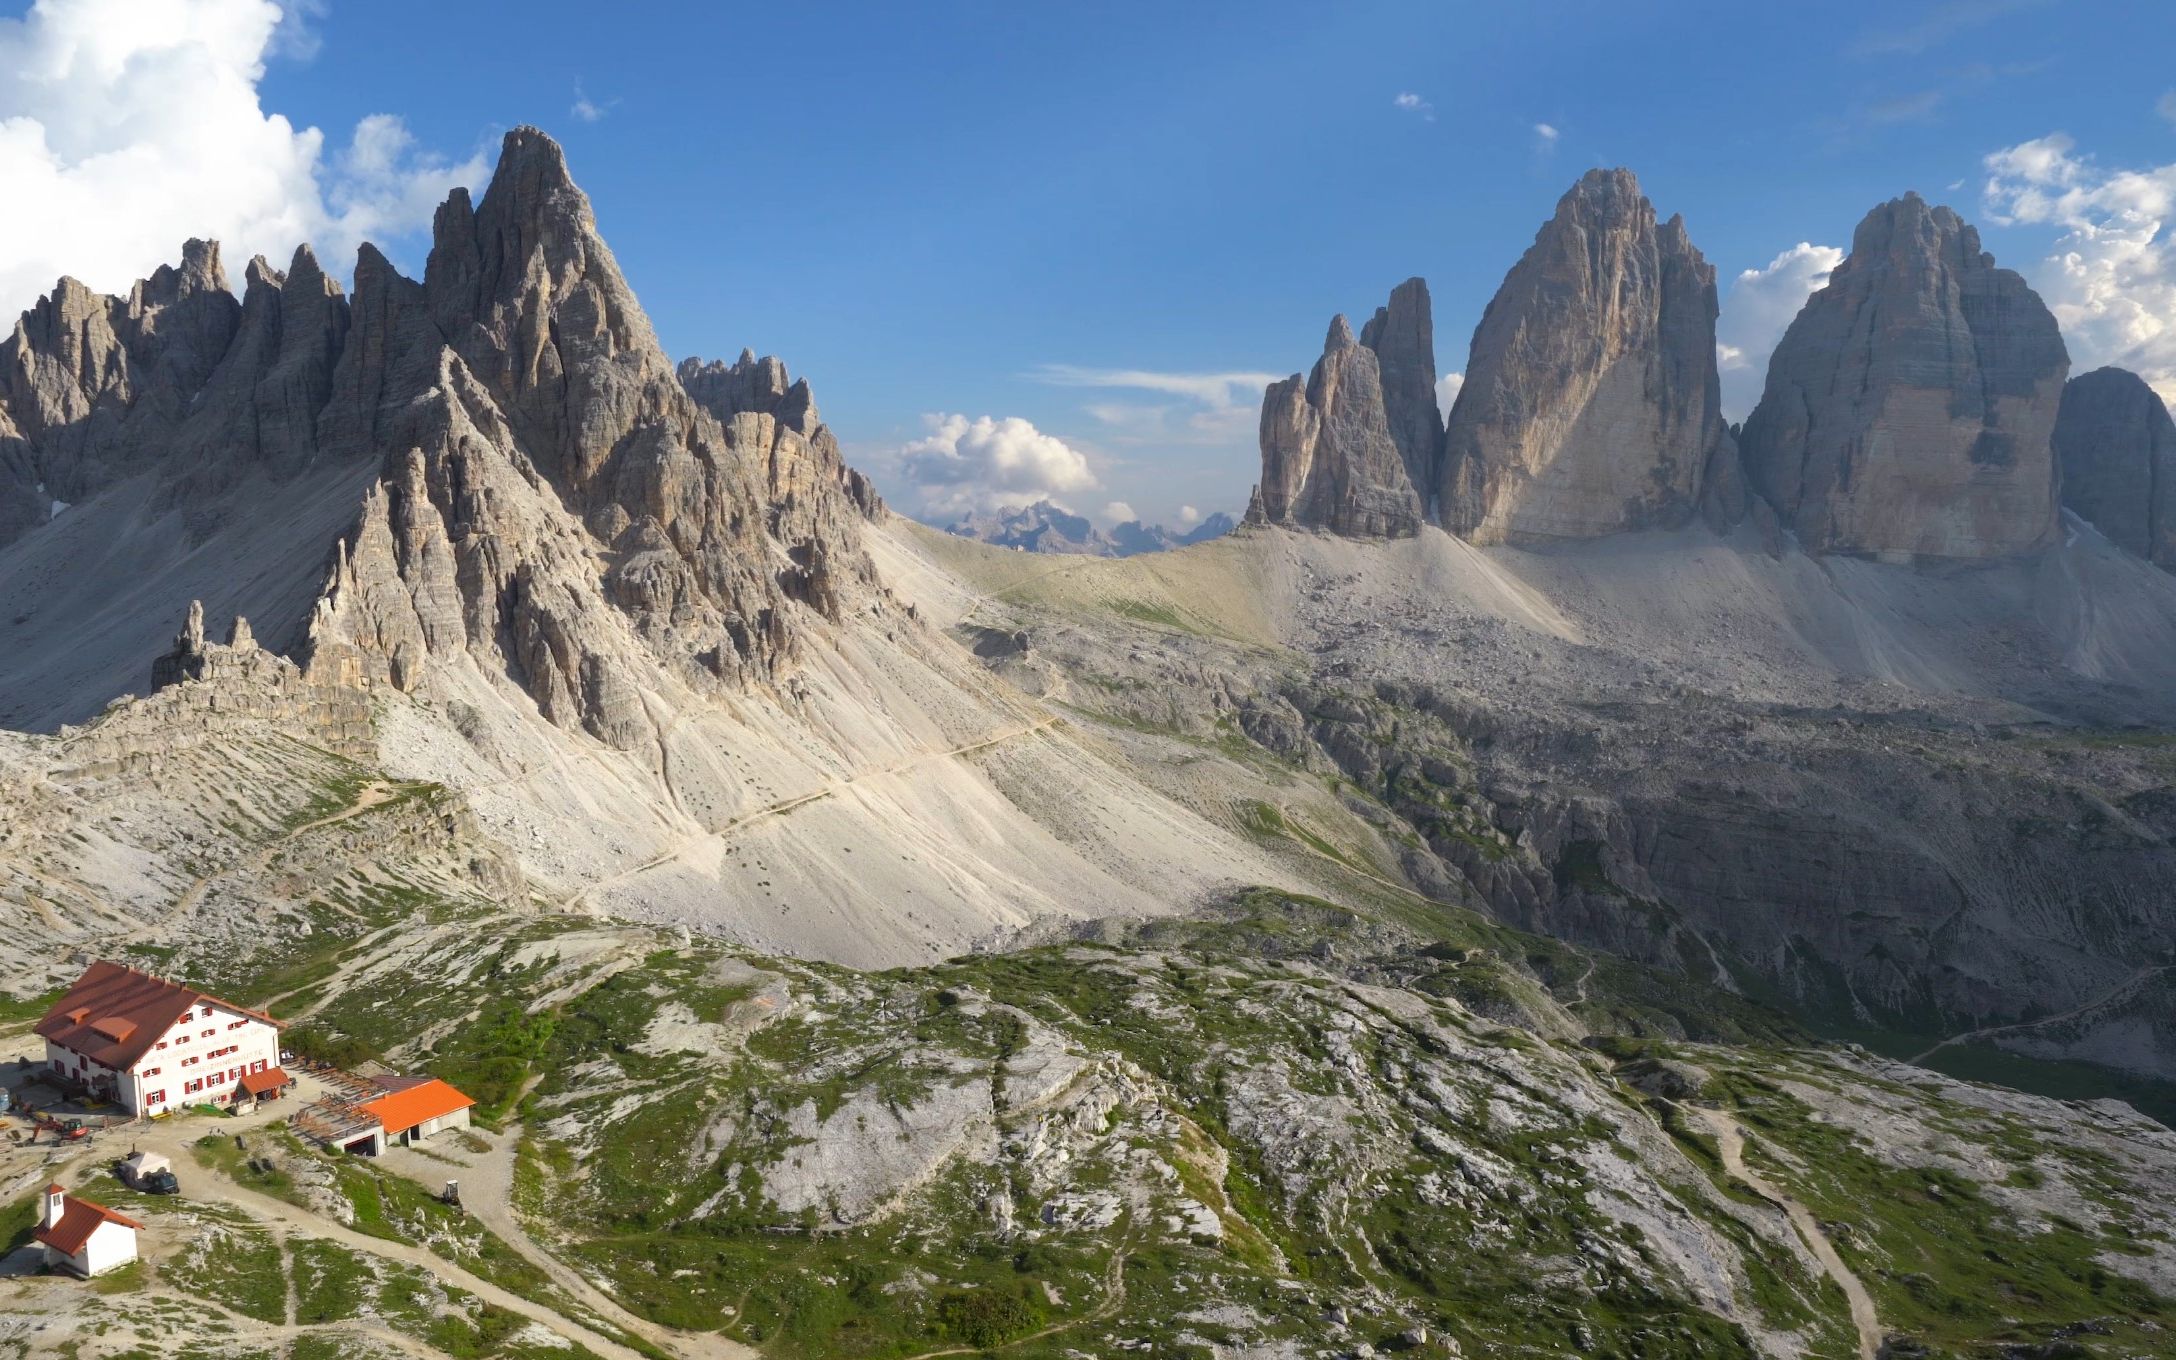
234	1265
332	1283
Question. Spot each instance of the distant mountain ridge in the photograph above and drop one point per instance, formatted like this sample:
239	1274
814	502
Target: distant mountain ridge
1047	527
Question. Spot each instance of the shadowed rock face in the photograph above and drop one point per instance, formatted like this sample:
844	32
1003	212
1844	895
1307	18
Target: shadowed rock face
1590	404
1403	336
99	386
1909	408
1329	460
2117	449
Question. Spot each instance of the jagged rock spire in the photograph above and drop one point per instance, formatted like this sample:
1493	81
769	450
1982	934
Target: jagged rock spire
1591	404
1329	460
1909	407
1403	336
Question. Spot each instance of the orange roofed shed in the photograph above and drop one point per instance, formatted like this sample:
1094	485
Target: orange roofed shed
415	1112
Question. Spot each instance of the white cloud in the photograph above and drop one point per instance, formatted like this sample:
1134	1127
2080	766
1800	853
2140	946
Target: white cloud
1413	103
1210	389
1758	309
2111	279
1215	408
588	110
126	127
1118	512
1447	389
986	462
1188	517
1545	137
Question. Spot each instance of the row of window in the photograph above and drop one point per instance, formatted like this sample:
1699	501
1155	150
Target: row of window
199	1085
205	1034
191	1062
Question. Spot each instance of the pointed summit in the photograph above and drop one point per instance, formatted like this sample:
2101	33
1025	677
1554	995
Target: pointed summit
1591	404
1328	459
1403	336
1909	407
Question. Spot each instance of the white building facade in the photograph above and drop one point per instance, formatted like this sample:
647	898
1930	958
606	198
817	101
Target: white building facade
82	1237
152	1045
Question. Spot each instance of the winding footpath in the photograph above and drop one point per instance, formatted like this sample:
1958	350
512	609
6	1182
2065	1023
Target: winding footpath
1731	1140
487	1184
2114	993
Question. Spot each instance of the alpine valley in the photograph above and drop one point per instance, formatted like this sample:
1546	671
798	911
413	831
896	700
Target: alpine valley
1575	878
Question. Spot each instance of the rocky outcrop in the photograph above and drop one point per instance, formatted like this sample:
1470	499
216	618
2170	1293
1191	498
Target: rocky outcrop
1403	336
1909	407
202	690
775	419
1590	404
1329	460
2116	448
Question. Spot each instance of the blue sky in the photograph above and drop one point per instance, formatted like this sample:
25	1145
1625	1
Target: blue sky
933	209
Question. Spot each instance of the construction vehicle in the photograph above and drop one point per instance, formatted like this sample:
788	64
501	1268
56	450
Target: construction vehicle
63	1130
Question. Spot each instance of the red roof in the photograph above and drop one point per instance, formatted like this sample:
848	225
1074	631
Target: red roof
271	1079
113	1013
402	1110
79	1218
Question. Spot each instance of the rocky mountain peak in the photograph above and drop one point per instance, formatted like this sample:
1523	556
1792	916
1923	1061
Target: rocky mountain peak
549	501
1328	458
1591	404
1403	336
2116	447
1909	407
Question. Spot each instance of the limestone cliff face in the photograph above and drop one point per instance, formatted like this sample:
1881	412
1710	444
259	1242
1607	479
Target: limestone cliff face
1329	460
1403	337
2116	447
1590	404
1909	408
551	503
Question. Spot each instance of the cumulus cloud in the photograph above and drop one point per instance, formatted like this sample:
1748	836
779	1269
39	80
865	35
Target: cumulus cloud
1213	408
1118	512
989	462
1188	517
1758	309
1414	104
2111	278
125	127
1447	389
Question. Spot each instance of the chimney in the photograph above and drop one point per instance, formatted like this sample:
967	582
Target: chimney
55	1205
